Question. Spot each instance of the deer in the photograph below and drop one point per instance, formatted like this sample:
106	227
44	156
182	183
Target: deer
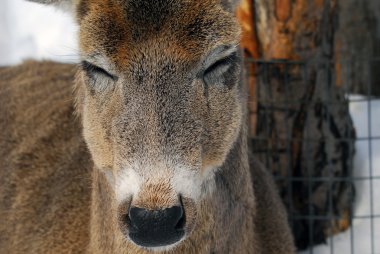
143	146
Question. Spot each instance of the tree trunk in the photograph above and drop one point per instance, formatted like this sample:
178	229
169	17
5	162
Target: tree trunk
249	44
358	47
303	131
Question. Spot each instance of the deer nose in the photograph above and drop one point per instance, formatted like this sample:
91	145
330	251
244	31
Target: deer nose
154	228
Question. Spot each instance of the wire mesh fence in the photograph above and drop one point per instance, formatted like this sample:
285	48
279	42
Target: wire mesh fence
303	132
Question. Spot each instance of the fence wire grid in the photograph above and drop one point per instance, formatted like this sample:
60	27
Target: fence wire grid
303	132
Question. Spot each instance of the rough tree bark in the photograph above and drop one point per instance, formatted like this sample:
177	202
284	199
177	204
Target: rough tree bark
249	44
358	46
302	126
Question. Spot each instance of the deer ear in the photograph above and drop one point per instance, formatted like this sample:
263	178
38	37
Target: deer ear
66	5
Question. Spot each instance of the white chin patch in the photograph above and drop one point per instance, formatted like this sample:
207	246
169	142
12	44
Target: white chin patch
191	184
127	184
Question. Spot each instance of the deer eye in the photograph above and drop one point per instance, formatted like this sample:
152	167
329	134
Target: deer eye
92	70
223	71
98	78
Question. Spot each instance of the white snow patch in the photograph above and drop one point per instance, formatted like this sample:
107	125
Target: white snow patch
30	30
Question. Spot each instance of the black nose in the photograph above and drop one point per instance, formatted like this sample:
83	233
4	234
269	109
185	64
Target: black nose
154	228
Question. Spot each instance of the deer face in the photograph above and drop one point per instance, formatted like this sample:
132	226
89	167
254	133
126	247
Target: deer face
159	96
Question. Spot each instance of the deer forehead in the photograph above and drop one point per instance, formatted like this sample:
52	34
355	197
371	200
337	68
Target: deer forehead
123	29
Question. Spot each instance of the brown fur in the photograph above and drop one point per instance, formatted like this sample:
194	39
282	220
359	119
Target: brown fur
157	113
44	166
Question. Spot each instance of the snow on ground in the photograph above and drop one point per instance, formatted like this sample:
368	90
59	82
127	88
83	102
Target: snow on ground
32	31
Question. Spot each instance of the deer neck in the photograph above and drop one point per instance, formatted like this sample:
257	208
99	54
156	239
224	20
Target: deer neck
232	204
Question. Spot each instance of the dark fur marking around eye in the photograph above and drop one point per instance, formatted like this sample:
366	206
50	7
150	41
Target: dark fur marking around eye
222	71
91	70
227	61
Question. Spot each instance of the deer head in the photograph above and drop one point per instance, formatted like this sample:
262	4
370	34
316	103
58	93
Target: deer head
159	96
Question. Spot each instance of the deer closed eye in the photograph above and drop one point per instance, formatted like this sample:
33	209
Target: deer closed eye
222	72
98	78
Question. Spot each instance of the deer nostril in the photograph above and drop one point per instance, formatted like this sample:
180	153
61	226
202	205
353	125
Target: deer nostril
152	228
169	217
181	222
128	222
